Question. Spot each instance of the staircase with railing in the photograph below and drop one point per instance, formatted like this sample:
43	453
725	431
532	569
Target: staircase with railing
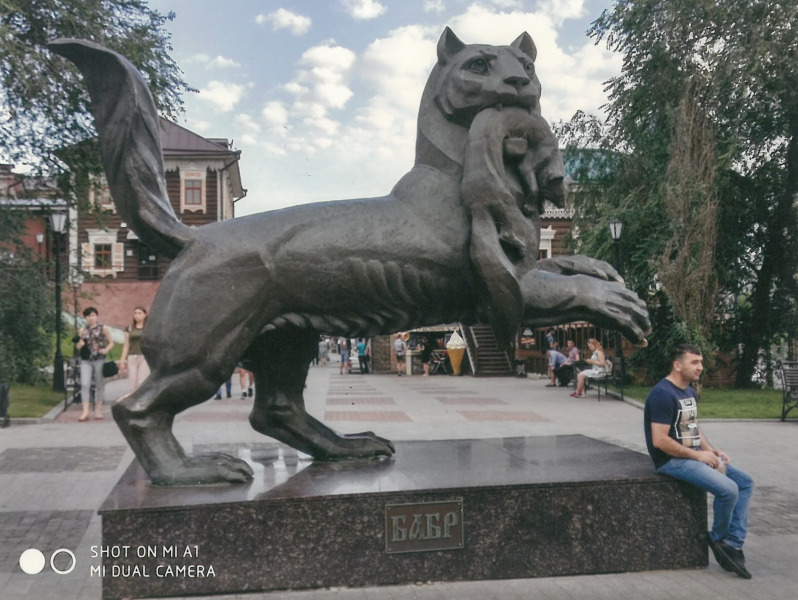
484	354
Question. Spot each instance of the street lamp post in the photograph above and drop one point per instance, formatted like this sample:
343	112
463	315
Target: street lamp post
75	280
616	229
58	225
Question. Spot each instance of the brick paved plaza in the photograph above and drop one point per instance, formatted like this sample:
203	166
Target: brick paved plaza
54	475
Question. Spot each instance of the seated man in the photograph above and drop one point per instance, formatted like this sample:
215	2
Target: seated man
556	360
680	450
564	371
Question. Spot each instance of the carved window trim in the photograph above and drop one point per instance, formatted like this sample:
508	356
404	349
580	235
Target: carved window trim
103	241
193	183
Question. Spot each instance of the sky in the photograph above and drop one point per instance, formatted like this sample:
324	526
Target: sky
322	97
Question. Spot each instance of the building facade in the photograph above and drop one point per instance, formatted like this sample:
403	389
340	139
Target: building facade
117	271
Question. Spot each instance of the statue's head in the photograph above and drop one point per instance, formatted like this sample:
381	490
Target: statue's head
477	76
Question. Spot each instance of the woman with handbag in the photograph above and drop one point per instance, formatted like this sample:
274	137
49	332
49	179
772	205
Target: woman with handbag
132	362
94	344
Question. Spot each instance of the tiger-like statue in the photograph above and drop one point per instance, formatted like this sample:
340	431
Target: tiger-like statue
455	240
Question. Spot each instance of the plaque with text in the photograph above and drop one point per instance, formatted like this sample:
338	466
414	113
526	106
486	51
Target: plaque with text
424	526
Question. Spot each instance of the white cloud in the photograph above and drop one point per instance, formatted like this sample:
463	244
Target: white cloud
433	6
311	110
579	81
507	4
324	126
224	95
247	123
285	19
273	149
292	87
220	62
363	10
398	65
559	10
325	76
275	114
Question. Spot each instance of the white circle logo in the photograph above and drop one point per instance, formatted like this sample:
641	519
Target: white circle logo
32	561
64	551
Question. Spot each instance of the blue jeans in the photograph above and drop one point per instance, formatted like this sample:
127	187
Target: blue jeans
732	493
92	369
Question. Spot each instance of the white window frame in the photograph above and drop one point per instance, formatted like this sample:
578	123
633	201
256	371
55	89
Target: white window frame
193	174
105	237
546	238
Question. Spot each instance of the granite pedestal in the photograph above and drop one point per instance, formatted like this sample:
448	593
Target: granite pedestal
438	511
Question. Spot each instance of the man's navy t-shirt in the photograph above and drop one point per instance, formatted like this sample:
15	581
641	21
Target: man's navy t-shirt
671	405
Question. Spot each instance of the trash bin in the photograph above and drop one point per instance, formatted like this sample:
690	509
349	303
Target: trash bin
520	367
5	420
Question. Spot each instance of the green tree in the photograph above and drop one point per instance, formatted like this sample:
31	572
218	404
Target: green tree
45	123
25	317
704	123
44	107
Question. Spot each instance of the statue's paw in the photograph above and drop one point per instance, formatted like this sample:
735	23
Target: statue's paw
358	446
373	436
624	311
206	470
580	265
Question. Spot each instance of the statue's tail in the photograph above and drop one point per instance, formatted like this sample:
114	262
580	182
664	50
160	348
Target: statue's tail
130	143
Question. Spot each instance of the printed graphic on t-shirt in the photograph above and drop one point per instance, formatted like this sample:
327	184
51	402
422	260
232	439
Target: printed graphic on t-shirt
687	423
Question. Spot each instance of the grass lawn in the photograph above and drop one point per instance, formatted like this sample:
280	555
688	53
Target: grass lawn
32	400
728	403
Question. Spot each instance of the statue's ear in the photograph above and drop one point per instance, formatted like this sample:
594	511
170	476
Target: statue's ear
448	46
525	44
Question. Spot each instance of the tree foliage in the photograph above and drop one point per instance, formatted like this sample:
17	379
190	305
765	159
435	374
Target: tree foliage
44	105
26	316
45	123
703	127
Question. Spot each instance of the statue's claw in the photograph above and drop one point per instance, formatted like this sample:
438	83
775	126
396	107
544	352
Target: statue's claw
384	446
206	470
624	311
579	265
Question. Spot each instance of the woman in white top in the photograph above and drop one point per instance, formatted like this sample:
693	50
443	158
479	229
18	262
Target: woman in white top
599	362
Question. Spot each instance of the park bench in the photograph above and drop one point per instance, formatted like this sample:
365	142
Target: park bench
789	383
612	376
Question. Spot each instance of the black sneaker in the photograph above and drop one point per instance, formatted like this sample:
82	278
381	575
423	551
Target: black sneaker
739	556
730	559
722	559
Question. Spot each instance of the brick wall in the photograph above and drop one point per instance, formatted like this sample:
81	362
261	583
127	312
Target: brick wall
114	301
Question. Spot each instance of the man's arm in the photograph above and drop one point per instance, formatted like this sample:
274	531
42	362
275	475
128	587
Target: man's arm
705	445
661	440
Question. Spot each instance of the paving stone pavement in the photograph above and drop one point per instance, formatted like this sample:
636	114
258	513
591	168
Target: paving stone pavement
54	476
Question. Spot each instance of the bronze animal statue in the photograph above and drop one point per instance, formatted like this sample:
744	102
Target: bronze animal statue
455	240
